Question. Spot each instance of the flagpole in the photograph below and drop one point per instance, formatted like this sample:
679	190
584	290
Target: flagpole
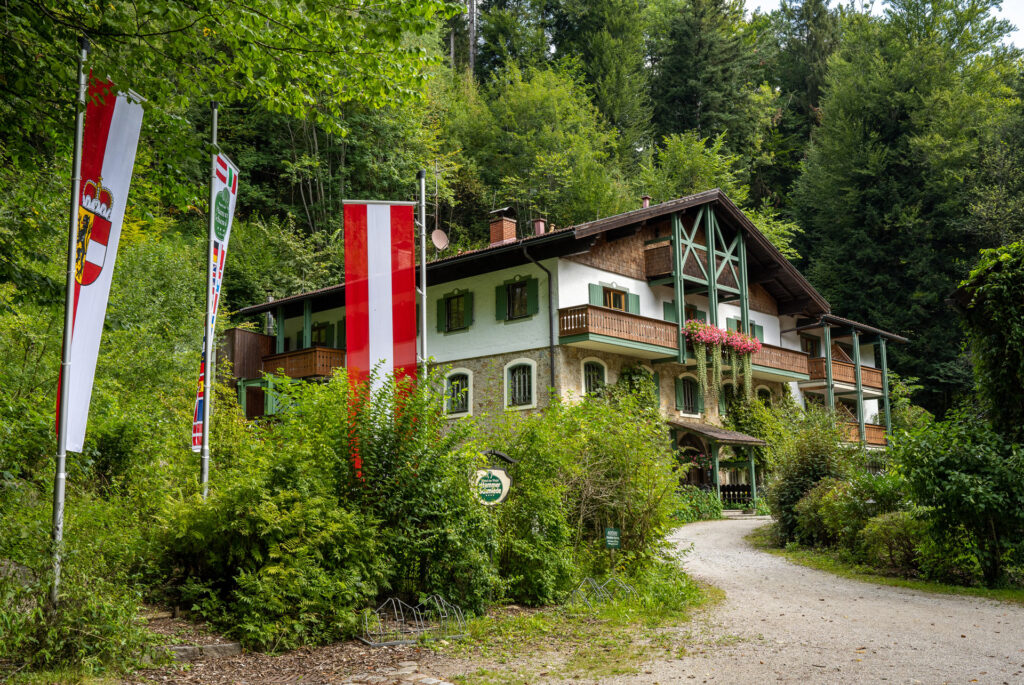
422	176
204	459
69	321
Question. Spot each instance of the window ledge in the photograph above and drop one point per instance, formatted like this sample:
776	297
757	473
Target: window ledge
520	407
688	416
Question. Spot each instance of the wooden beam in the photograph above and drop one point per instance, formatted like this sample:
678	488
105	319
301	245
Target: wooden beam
744	298
623	232
860	388
711	234
279	325
826	341
885	386
679	285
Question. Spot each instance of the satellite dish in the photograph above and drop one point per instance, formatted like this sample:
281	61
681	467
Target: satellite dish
439	238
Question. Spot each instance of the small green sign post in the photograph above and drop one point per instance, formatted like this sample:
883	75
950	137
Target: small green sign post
491	486
613	538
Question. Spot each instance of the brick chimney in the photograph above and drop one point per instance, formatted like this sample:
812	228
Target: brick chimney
503	226
538	226
646	200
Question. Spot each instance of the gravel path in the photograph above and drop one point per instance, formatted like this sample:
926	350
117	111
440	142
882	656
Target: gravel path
781	622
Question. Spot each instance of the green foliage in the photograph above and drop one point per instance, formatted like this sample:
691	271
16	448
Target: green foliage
892	541
813	452
811	528
695	504
971	482
994	319
856	500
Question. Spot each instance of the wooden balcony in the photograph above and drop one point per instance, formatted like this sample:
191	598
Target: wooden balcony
658	260
844	372
307	363
246	350
873	433
775	357
588	319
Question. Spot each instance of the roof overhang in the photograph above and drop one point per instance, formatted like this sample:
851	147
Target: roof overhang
837	322
722	436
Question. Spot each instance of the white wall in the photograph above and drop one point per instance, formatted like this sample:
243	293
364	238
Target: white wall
488	336
574	287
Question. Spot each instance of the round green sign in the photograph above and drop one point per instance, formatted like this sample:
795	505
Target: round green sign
489	488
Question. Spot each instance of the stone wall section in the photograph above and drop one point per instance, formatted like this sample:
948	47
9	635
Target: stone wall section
488	396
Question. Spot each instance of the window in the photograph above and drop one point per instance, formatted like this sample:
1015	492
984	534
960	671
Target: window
756	330
765	395
517	301
615	299
688	396
457	395
810	345
520	385
322	335
455	311
692	312
593	377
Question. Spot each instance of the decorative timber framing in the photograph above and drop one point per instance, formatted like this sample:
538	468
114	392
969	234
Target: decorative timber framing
860	386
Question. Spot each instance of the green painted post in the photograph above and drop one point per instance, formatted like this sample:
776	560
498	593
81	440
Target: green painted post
860	387
241	395
307	324
826	341
744	293
677	275
710	234
279	325
753	476
714	469
885	387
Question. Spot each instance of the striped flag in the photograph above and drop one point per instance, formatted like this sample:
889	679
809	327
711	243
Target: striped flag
380	288
109	141
225	188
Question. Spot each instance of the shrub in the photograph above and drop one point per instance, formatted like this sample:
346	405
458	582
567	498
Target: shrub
847	510
971	481
695	504
811	528
813	452
891	542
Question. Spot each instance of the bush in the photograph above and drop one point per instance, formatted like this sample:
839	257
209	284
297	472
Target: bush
848	509
811	528
813	452
697	505
891	542
971	481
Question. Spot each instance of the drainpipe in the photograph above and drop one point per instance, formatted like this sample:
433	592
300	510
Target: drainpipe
551	317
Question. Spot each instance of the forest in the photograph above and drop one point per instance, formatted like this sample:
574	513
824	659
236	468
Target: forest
883	153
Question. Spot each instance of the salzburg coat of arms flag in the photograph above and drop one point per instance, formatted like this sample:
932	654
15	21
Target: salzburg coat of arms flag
109	140
380	289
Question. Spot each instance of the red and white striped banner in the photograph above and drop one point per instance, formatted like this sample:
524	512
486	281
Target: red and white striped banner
225	191
109	141
380	289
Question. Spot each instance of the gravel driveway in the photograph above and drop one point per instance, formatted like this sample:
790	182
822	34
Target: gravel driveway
781	622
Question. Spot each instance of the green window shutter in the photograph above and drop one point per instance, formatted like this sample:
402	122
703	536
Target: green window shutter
532	306
442	325
632	303
596	295
680	393
500	302
700	316
732	324
342	339
670	311
700	400
758	331
298	340
330	335
469	309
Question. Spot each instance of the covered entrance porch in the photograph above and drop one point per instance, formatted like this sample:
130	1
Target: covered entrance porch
703	444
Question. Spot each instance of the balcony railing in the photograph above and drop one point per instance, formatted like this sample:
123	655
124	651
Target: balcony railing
587	318
775	357
307	363
873	433
844	372
658	261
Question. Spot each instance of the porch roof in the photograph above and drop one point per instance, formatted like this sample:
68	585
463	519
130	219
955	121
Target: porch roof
722	436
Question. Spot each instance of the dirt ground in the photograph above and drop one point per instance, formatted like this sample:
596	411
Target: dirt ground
786	623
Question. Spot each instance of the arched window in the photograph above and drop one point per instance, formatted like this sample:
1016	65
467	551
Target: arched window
457	393
688	399
519	385
593	377
765	395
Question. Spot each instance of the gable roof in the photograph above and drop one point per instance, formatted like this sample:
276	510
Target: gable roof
767	265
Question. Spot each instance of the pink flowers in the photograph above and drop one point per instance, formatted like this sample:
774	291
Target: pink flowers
706	334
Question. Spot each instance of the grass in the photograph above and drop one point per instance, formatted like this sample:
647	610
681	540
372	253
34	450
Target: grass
516	646
832	562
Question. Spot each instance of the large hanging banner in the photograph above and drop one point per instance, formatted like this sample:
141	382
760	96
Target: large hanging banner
225	192
380	289
109	140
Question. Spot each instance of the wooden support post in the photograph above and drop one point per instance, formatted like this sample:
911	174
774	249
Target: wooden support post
744	292
753	477
885	386
714	469
710	234
826	341
279	325
307	324
860	387
678	283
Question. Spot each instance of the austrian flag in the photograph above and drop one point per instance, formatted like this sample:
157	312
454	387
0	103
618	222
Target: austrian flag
380	288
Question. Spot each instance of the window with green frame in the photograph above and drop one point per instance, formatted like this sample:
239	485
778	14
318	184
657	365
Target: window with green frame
601	295
457	399
593	377
455	311
756	330
688	397
520	385
516	299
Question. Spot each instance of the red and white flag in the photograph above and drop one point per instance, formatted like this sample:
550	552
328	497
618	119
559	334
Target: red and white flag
380	289
225	192
110	137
